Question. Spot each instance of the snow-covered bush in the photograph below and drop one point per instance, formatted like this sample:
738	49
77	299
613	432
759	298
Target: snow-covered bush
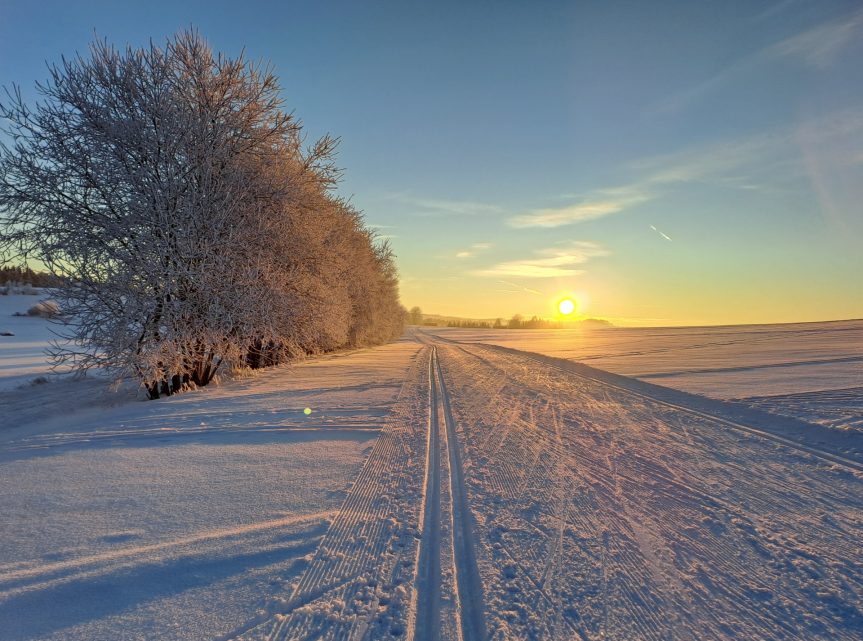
44	309
186	225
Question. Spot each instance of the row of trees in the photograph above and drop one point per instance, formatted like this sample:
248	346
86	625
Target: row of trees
190	227
516	322
534	322
475	324
26	276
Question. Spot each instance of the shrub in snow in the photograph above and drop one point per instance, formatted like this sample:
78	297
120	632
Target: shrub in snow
202	232
44	309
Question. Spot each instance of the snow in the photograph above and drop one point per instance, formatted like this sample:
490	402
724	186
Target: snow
176	519
837	409
605	513
445	486
732	362
22	356
570	503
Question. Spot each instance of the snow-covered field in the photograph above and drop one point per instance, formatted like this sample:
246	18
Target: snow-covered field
808	370
456	485
22	355
178	519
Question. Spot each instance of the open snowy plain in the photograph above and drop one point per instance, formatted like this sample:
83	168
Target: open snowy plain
456	484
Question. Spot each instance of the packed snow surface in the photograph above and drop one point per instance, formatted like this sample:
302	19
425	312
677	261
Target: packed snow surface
776	364
176	519
22	355
443	487
516	496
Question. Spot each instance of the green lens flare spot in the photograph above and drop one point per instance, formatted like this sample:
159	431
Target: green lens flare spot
307	411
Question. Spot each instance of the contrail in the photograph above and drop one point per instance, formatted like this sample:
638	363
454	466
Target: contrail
521	288
665	236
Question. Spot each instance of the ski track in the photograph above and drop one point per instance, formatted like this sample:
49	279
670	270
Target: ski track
358	585
427	595
468	583
508	498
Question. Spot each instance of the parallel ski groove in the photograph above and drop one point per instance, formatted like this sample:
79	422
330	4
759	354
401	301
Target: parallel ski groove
370	548
468	582
428	578
525	504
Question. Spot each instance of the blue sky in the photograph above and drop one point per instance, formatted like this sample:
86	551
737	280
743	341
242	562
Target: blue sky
663	163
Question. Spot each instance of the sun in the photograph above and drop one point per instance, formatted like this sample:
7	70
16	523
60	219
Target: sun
566	306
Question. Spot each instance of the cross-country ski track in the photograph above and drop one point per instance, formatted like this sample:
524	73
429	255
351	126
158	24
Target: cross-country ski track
441	489
509	497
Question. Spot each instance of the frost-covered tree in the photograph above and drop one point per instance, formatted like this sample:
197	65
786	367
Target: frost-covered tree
172	196
415	316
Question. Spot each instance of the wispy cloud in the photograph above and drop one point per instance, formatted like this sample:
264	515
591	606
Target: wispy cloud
589	209
654	175
440	207
821	45
549	263
774	10
735	162
707	162
748	163
473	250
818	47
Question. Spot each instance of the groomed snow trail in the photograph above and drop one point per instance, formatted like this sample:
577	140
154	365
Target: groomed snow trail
509	498
359	583
187	518
427	596
467	581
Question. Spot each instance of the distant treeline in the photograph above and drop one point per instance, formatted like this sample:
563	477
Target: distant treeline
516	322
26	276
188	224
416	317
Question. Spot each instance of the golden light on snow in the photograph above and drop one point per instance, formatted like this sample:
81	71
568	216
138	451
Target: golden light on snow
566	306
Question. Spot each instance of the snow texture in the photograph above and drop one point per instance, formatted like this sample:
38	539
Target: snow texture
181	518
573	503
504	494
732	362
22	355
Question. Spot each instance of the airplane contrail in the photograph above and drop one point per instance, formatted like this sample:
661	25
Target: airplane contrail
665	236
521	288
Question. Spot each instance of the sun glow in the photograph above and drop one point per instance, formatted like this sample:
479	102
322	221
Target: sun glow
566	306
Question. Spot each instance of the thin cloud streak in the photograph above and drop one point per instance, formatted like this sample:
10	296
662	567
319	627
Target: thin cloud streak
733	163
549	263
820	46
816	47
473	250
576	213
520	288
424	207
